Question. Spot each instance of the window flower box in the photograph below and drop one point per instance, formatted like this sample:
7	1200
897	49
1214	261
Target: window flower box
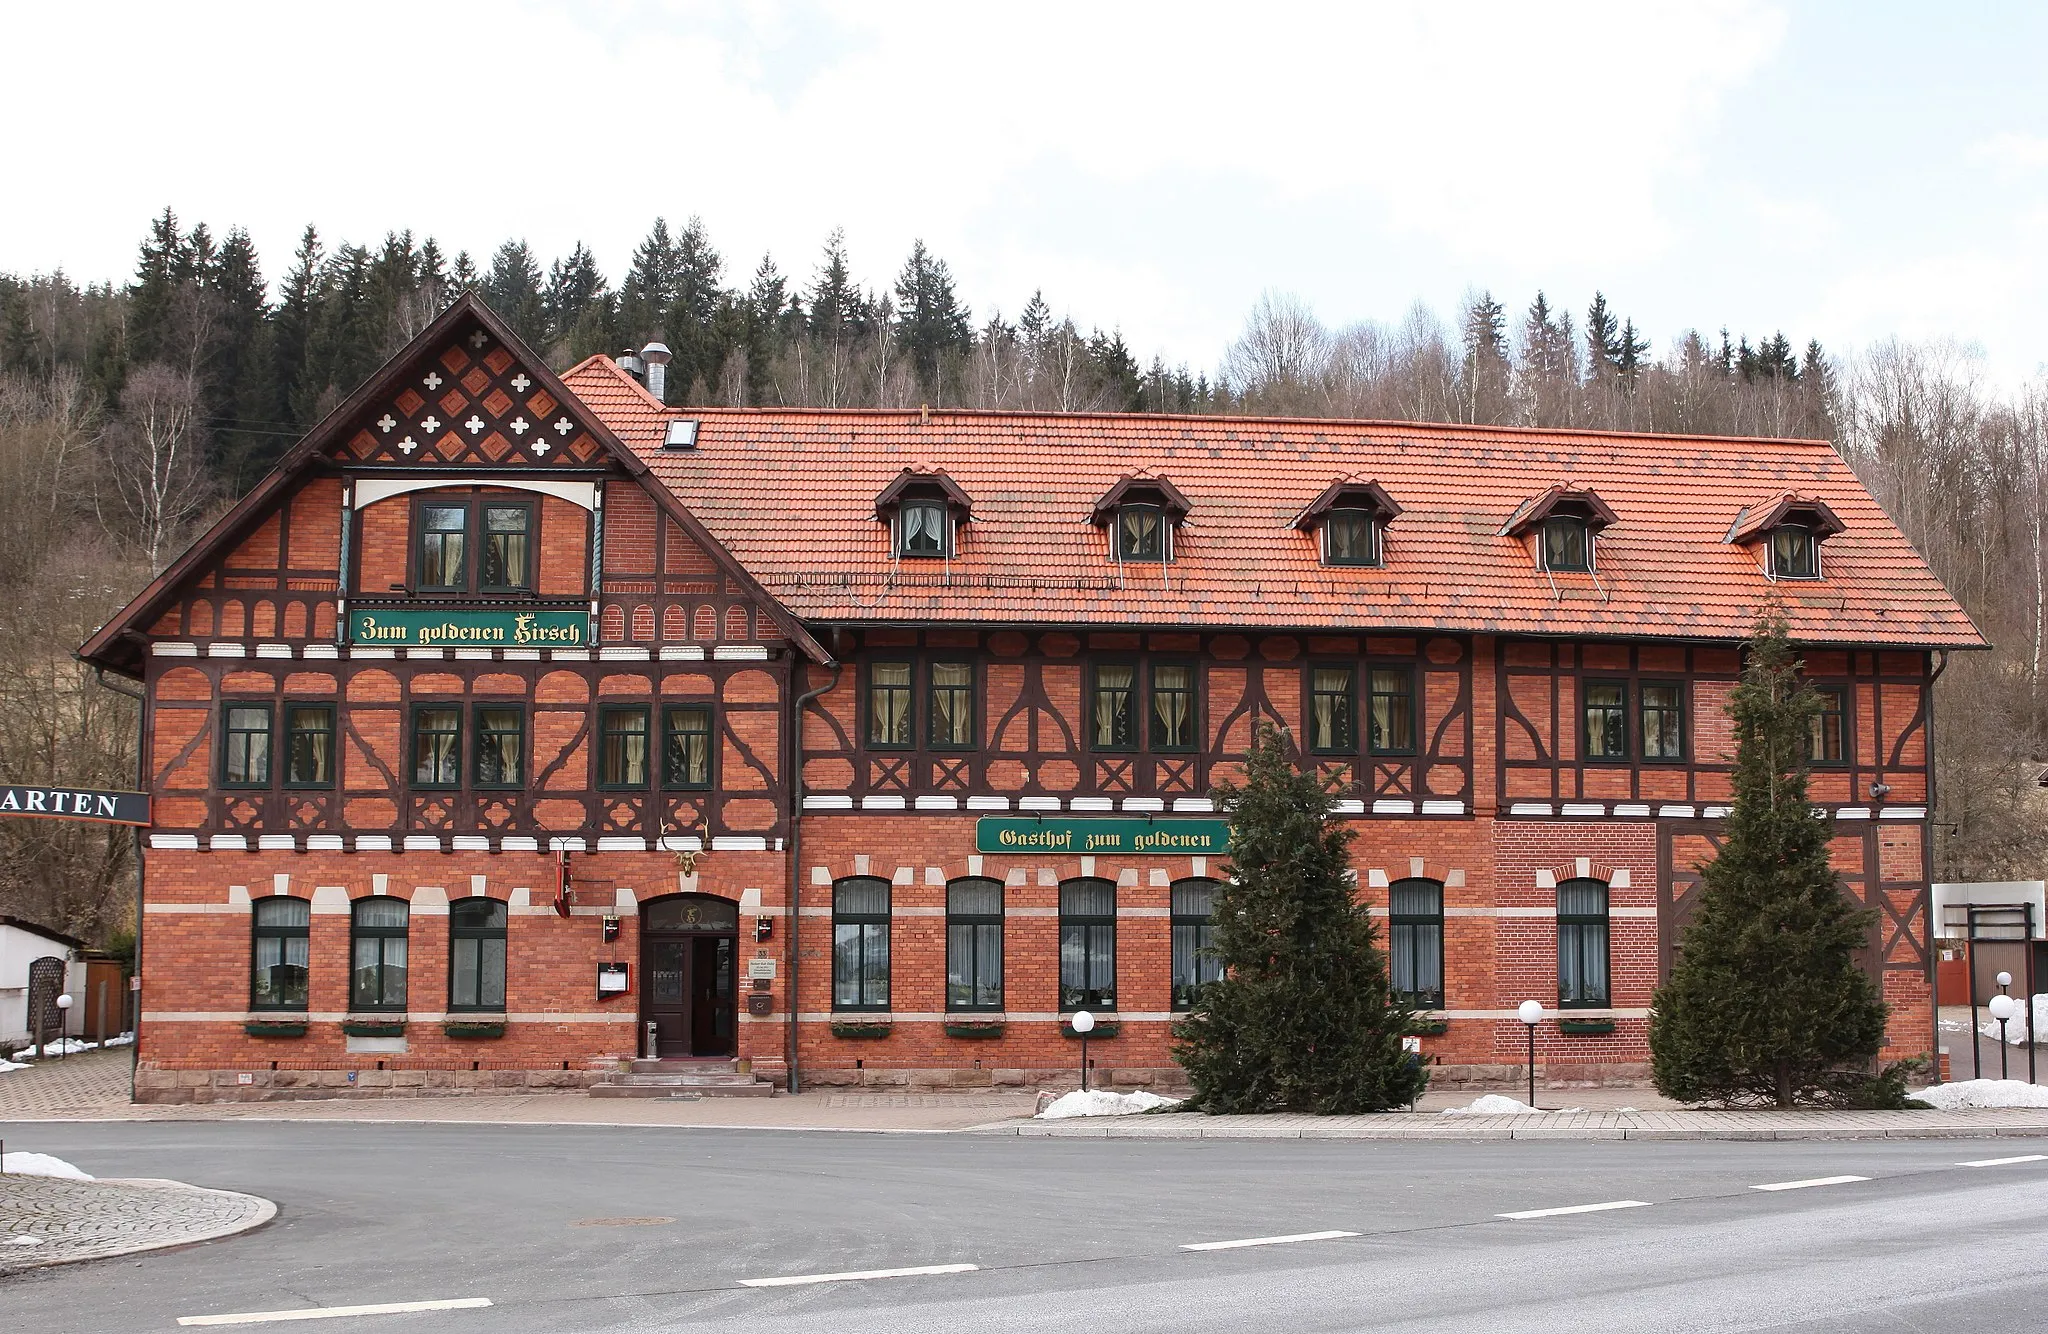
1102	1029
275	1028
373	1028
1429	1028
856	1030
982	1029
1583	1028
473	1030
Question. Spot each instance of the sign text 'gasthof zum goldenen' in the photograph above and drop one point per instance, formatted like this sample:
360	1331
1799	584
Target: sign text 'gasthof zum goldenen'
1153	838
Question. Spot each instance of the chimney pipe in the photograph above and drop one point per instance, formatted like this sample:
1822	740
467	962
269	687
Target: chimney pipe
657	357
629	362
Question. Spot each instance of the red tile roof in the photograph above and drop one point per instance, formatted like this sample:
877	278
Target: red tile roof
791	493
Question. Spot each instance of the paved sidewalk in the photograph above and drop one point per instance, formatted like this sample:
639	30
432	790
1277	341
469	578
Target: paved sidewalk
51	1221
1676	1124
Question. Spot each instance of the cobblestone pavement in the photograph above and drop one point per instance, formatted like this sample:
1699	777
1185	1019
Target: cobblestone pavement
88	1084
91	1220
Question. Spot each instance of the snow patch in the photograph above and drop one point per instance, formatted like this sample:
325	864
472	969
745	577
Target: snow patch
1101	1102
1495	1104
61	1047
40	1165
1984	1093
6	1065
2016	1027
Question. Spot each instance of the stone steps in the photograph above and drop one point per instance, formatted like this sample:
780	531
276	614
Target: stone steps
683	1079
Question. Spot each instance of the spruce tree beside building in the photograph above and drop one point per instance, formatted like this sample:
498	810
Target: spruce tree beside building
1766	1004
1303	1019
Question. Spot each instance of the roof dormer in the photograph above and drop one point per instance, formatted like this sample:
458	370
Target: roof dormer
1349	520
1789	528
1142	512
1566	520
924	509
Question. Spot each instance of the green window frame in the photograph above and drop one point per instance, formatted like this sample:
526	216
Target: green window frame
309	745
921	530
377	952
1604	731
1567	544
949	706
1191	921
1827	742
974	944
1350	537
441	547
686	746
1795	552
245	743
892	705
860	943
1415	941
1332	709
280	953
1660	707
505	562
500	759
1391	711
1583	980
436	746
1176	708
1087	944
476	955
1112	706
623	749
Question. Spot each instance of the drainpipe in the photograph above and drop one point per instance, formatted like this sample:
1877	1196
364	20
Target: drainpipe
99	674
1927	897
796	857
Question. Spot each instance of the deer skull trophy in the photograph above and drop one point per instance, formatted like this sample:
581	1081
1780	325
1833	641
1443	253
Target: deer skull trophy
686	858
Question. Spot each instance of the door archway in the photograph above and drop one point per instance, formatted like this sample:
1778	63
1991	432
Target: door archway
689	957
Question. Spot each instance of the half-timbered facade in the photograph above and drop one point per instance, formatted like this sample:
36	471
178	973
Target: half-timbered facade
517	725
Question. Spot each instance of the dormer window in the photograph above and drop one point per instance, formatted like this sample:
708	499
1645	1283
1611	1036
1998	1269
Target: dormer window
1565	522
1140	533
1566	544
1141	513
921	528
1349	519
924	509
1795	552
1790	530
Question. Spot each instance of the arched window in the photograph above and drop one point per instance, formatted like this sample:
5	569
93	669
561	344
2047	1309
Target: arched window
1194	966
377	946
974	944
282	948
1582	944
860	943
1415	921
476	954
1087	944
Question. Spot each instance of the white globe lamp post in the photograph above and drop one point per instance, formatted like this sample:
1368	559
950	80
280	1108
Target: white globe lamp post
63	1017
1531	1014
2003	1008
1084	1024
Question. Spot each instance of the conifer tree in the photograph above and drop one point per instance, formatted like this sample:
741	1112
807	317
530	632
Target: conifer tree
931	322
514	289
1766	1003
1303	1019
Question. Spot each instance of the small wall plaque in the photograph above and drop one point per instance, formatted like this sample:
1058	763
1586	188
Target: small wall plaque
612	979
761	970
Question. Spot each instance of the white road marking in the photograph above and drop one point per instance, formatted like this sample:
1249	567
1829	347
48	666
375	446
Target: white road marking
1264	1241
1577	1209
793	1280
330	1312
2005	1162
1811	1181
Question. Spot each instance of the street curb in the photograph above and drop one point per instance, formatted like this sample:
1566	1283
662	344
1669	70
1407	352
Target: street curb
266	1211
1492	1134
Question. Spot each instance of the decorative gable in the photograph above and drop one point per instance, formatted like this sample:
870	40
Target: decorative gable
1755	522
470	401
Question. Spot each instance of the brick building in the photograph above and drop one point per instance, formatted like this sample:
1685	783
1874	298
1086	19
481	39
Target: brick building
512	715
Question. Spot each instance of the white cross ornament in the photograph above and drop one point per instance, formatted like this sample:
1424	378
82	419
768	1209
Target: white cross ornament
564	426
408	445
386	422
431	425
433	380
474	424
540	447
520	382
479	338
519	426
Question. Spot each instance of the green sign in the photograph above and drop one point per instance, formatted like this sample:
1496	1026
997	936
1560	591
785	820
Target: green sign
413	627
1125	836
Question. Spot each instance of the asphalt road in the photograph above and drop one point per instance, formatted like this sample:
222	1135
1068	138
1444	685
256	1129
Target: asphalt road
558	1228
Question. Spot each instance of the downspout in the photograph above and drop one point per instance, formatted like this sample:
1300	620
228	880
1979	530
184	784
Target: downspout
99	674
1927	895
796	857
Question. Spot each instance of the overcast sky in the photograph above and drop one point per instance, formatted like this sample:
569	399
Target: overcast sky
1845	171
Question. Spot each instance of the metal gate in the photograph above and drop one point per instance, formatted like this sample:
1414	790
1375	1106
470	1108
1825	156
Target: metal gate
45	984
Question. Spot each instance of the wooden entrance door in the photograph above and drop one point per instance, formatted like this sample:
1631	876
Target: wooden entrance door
688	953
